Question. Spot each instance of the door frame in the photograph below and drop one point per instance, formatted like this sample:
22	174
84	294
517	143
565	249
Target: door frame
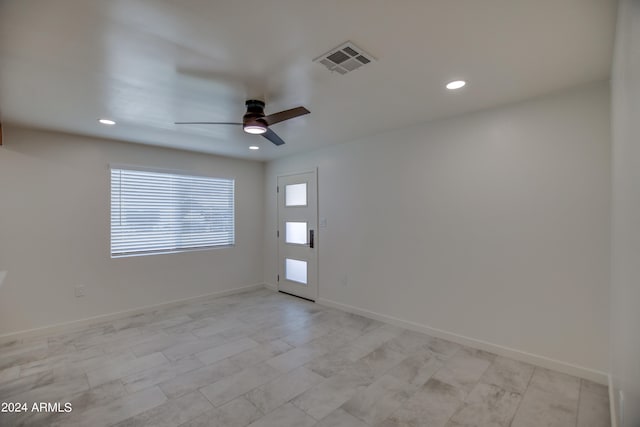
317	232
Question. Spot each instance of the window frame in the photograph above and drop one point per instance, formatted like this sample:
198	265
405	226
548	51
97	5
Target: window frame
138	168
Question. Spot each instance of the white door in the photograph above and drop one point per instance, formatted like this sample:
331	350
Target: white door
298	234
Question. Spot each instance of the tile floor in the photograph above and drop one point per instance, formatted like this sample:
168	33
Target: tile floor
264	359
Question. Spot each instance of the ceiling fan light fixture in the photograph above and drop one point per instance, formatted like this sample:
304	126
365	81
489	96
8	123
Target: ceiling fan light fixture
255	129
253	122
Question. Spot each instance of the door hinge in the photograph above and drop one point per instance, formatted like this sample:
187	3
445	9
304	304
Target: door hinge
278	277
278	233
277	189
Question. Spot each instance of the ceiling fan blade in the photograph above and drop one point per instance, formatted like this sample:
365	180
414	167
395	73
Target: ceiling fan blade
273	137
207	123
285	115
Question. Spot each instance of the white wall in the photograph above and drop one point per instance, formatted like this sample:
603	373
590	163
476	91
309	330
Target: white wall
625	290
54	231
493	226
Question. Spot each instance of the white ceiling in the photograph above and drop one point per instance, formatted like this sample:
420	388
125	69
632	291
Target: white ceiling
148	63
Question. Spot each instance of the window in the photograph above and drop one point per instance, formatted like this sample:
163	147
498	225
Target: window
296	270
158	212
295	194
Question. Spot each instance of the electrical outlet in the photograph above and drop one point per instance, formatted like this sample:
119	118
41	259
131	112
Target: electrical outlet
345	280
79	291
323	222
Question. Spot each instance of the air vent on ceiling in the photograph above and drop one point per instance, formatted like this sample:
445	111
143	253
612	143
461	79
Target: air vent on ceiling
345	58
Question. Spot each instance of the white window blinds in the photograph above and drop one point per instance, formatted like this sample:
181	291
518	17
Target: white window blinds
157	212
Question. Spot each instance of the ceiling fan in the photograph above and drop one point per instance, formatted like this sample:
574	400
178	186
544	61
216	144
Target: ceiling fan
255	122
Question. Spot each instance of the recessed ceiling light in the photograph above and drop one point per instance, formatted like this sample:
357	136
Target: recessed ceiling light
456	84
254	147
107	122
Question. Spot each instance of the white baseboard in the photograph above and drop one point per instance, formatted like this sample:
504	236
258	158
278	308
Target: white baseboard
75	324
613	403
579	371
545	362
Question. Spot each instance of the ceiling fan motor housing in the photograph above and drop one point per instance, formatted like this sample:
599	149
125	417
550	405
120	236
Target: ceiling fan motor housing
255	113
